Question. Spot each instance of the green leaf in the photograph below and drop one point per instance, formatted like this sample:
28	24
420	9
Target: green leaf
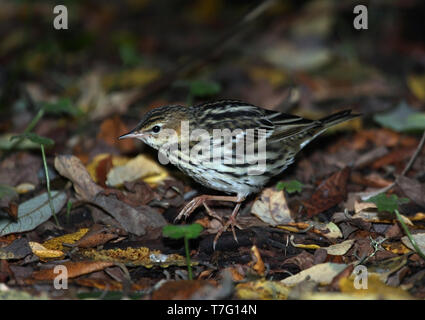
190	231
290	186
7	144
204	88
34	138
388	204
33	212
61	106
129	55
403	118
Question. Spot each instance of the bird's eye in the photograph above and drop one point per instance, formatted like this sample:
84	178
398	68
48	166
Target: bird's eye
156	129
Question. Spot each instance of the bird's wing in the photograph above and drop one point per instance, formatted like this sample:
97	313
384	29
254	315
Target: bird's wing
286	125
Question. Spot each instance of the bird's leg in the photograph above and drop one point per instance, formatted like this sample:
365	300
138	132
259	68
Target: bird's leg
212	213
196	202
231	222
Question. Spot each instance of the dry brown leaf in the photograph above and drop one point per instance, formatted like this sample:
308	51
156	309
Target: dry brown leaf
97	235
181	290
413	189
329	193
340	249
72	168
321	273
74	269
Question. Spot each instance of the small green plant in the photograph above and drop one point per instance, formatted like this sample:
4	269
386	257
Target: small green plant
42	141
61	106
290	186
188	231
391	204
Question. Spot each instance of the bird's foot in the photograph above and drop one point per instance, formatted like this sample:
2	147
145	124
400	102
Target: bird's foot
190	207
230	223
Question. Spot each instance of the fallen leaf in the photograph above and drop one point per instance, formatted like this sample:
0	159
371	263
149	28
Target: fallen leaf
257	262
402	118
140	167
141	256
340	249
321	273
181	290
106	284
329	193
413	189
18	249
420	241
303	260
72	168
33	212
262	290
74	269
57	242
368	211
100	173
376	289
416	84
272	208
97	235
44	253
134	220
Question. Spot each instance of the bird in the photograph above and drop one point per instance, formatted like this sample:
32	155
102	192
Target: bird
274	139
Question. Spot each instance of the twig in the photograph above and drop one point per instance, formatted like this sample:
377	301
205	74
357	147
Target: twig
415	155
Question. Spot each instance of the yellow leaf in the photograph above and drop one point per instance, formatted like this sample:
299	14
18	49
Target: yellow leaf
416	84
24	187
303	246
116	161
264	290
288	228
56	243
375	288
141	167
44	253
137	257
257	262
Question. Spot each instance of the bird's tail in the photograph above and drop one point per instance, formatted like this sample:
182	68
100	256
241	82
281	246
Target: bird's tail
338	117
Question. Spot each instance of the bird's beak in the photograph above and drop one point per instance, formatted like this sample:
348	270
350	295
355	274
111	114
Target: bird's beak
136	135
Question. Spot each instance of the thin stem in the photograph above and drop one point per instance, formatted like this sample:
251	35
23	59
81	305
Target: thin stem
29	128
189	266
415	155
46	171
409	235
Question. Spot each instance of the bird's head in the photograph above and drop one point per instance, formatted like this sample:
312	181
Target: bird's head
158	126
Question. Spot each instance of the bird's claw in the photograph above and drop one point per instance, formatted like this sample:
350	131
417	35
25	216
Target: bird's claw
230	223
189	208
